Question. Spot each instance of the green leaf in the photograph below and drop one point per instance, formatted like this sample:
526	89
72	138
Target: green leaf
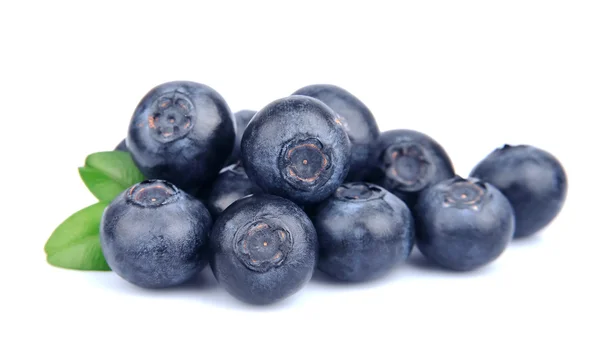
102	186
75	244
107	174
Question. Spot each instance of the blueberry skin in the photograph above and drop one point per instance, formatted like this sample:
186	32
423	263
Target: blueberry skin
295	149
263	249
154	235
405	162
533	180
463	224
357	120
363	232
242	118
182	132
231	185
122	146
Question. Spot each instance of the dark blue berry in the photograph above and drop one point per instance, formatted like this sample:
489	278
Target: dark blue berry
122	146
154	235
532	179
231	185
363	232
356	119
463	224
405	162
264	249
181	132
294	148
242	118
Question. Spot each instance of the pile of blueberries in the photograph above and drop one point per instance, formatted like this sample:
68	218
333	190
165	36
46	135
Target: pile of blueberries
308	182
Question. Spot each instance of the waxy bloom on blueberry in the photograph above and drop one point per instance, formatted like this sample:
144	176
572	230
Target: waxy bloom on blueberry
295	149
155	235
364	231
181	132
231	185
405	162
356	119
264	249
533	180
463	224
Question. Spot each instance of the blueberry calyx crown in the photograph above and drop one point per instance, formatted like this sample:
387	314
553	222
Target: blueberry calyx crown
305	163
358	192
153	193
262	245
465	193
407	166
507	147
172	117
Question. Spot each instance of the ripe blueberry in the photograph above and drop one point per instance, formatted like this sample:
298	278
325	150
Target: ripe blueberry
405	162
122	146
363	232
181	132
242	118
231	185
532	179
154	235
356	119
294	148
463	224
264	249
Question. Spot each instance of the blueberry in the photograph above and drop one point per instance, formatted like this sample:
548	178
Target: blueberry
264	249
122	146
363	232
532	179
294	148
181	132
154	235
231	185
242	118
463	224
356	119
405	162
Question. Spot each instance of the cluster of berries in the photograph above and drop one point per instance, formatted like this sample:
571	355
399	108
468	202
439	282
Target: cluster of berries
308	182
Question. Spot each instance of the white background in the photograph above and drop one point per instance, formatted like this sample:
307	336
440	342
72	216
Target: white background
472	74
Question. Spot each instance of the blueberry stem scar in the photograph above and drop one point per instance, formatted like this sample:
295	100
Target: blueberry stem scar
262	246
